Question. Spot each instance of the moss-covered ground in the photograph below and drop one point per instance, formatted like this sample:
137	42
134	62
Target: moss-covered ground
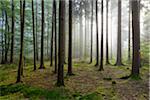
87	84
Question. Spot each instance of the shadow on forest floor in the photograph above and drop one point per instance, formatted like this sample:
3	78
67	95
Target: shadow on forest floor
87	84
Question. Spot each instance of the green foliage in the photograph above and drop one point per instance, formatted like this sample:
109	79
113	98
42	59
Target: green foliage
35	93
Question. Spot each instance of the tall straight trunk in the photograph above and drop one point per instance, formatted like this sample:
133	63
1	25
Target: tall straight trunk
60	76
70	40
12	33
136	37
34	45
36	35
107	49
52	36
85	34
5	36
111	31
97	39
129	34
119	57
42	37
101	60
2	38
91	51
56	51
22	18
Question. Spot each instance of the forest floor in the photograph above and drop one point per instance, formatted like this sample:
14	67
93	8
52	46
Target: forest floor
87	84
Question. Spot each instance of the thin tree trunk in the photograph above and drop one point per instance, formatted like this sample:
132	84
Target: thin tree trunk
107	49
129	35
97	39
60	77
37	47
70	40
53	12
135	38
42	37
56	63
34	45
12	34
101	60
91	35
22	18
2	38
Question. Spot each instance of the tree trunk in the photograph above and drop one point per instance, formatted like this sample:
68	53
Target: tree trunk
42	37
37	46
60	77
53	12
70	40
22	19
55	37
129	34
107	49
97	39
91	35
101	60
12	33
136	37
119	57
34	46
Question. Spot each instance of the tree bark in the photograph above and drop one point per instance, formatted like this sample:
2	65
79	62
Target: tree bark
101	60
60	77
136	37
56	62
129	34
12	33
37	46
42	37
97	39
52	36
22	19
119	51
91	56
34	45
107	49
70	40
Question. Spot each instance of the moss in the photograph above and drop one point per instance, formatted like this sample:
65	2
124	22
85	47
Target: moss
107	78
34	93
135	77
114	82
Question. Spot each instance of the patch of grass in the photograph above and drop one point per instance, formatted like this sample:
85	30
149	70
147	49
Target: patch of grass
107	78
107	93
35	93
135	77
92	96
114	82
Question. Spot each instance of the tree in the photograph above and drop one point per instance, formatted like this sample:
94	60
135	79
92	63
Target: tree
37	46
22	19
12	33
53	15
136	37
101	60
2	38
91	34
129	34
55	37
97	39
34	45
119	57
42	37
70	40
61	52
107	49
